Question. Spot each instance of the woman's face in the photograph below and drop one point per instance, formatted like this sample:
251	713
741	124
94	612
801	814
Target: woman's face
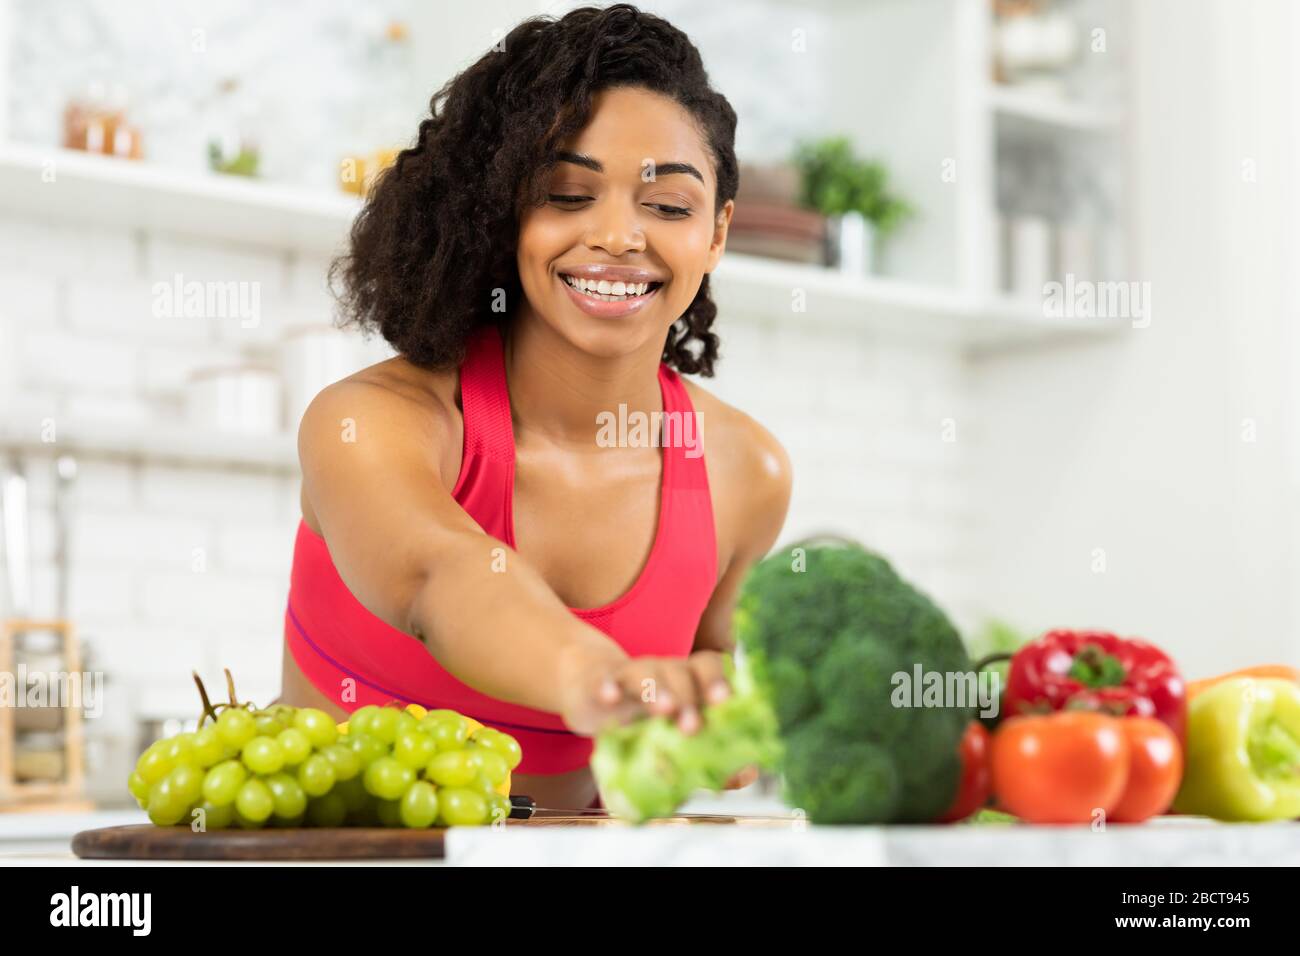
629	217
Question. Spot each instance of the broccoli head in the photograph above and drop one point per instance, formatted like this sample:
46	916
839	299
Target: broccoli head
824	629
850	623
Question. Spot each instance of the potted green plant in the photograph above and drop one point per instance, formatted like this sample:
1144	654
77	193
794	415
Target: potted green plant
855	197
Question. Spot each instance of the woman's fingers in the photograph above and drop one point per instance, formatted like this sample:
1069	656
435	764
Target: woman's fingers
742	779
677	684
677	688
710	676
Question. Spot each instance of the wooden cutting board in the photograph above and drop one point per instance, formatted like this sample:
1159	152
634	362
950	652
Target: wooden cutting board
148	842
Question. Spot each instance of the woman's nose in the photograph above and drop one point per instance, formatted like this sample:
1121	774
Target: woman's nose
615	229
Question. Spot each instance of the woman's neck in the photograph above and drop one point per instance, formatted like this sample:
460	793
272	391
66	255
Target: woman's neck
558	391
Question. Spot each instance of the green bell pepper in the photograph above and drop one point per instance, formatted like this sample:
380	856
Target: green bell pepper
1243	751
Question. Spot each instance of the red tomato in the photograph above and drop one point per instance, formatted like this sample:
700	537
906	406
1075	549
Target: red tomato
1154	773
1064	767
976	780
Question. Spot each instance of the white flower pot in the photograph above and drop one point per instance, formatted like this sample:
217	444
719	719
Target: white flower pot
852	244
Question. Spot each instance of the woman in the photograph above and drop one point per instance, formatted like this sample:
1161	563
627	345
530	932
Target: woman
484	525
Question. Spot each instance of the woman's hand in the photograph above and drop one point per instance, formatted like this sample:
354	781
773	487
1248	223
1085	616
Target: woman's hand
603	689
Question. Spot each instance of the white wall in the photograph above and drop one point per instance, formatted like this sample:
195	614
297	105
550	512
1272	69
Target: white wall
863	420
1137	446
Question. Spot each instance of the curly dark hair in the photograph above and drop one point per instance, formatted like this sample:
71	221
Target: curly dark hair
438	233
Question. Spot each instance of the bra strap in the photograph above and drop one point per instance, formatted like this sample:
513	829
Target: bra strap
485	398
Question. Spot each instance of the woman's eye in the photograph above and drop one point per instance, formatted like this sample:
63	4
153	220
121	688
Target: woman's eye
673	212
568	200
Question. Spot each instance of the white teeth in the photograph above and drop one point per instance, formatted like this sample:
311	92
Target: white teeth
606	290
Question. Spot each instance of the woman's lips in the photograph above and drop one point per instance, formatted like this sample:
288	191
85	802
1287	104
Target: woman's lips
602	309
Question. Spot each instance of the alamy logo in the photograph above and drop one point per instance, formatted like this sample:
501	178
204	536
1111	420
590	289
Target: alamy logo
180	299
102	909
651	430
1084	299
35	689
959	689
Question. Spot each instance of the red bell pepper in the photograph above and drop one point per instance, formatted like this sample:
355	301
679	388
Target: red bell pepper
1091	670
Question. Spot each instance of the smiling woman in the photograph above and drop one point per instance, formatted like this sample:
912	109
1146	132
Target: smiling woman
539	259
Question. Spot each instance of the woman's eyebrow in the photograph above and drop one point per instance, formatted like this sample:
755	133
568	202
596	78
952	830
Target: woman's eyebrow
596	166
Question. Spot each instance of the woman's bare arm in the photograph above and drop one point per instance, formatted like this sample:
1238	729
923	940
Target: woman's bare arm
748	458
414	558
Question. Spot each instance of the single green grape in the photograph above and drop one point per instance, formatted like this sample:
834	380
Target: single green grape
223	781
268	724
207	746
263	755
490	763
154	766
388	779
482	785
166	807
255	801
451	768
502	743
458	807
236	727
449	733
383	725
327	811
499	807
139	787
181	748
419	805
187	782
295	744
283	713
361	719
216	817
405	722
368	749
155	763
243	823
316	775
318	726
414	748
288	795
344	760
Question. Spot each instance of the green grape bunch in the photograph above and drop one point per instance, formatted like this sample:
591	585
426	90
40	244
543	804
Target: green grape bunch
281	766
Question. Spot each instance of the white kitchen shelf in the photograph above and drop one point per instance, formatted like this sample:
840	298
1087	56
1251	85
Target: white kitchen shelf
174	444
765	287
142	195
98	189
1042	109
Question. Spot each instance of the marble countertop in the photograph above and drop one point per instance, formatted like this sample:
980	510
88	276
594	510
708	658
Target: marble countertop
1165	842
43	840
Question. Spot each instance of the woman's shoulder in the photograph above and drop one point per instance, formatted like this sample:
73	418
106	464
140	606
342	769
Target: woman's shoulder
387	405
743	456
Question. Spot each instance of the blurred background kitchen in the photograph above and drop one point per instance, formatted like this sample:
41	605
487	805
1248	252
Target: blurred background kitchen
1121	453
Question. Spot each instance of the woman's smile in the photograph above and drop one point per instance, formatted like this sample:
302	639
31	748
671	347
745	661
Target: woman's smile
607	291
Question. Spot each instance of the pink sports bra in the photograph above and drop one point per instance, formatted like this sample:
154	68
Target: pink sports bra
335	639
